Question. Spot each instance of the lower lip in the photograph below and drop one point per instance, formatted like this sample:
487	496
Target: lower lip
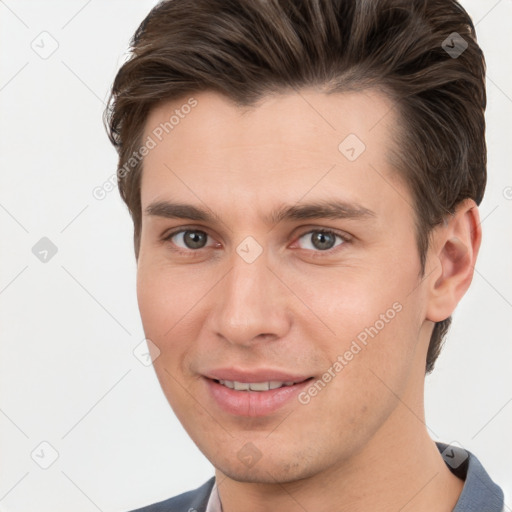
253	403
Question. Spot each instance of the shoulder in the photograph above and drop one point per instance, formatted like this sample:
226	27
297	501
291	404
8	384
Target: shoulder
191	501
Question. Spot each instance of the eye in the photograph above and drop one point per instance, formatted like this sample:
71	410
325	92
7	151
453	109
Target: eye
320	240
188	239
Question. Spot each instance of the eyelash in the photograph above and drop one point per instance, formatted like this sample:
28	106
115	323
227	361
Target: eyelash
315	254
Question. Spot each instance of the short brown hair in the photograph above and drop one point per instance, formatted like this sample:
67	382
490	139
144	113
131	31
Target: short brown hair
421	53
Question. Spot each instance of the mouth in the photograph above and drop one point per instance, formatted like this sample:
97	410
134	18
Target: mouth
257	386
250	395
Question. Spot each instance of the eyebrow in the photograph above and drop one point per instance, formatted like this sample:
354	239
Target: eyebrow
314	210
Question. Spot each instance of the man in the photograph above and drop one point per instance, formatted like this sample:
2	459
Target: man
304	179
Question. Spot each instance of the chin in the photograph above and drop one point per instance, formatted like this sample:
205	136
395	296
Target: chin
267	470
265	475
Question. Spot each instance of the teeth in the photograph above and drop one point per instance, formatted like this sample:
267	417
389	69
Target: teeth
259	386
254	386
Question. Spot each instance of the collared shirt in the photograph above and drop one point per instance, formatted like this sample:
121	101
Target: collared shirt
479	493
214	504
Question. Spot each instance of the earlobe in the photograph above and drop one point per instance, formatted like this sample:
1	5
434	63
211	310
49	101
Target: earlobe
455	246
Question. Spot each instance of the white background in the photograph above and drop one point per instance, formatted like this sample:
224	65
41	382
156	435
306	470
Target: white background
68	375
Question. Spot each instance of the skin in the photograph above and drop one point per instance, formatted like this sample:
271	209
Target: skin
362	441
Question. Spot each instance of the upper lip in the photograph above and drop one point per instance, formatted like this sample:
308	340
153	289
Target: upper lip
254	375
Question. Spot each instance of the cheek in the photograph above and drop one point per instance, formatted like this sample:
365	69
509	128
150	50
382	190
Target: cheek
348	300
155	304
164	302
169	303
166	299
381	355
373	317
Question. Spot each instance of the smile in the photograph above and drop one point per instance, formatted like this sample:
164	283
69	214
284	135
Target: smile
254	386
253	394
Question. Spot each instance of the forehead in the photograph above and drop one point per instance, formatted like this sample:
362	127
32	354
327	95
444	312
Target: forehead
291	117
284	147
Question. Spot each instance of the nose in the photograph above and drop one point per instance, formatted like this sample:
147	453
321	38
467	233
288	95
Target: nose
250	304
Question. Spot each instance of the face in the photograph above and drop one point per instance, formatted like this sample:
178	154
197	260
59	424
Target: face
279	278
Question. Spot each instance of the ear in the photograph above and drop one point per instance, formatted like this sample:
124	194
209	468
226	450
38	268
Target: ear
453	251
